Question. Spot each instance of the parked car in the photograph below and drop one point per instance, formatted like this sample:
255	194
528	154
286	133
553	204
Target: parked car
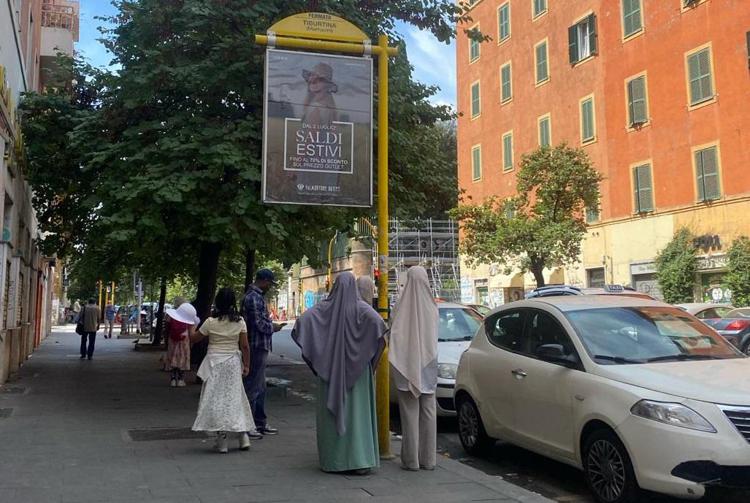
705	310
739	312
456	328
734	327
632	391
562	290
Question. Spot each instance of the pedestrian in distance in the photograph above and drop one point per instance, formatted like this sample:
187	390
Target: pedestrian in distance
178	351
89	316
342	339
223	404
109	320
413	357
261	330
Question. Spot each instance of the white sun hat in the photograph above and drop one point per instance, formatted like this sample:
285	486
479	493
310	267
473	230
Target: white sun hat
185	313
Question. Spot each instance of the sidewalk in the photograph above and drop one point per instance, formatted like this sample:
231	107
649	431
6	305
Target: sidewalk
112	430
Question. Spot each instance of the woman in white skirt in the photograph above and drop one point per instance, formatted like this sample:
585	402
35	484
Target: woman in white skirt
223	405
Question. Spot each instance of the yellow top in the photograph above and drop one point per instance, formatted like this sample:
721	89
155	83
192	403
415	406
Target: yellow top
319	26
223	335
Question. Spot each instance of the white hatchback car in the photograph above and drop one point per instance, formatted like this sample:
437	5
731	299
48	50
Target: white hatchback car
637	393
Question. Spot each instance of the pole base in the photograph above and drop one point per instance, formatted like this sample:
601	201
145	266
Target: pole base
388	457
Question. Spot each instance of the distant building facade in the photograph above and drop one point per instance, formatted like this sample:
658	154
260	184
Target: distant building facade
656	93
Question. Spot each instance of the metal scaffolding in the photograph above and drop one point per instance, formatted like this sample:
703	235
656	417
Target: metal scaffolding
433	244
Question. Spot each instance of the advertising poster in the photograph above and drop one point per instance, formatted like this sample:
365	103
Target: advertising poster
318	129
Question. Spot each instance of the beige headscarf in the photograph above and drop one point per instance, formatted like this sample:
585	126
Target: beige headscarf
413	343
365	288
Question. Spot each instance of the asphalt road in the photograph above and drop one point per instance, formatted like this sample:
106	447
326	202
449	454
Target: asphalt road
521	467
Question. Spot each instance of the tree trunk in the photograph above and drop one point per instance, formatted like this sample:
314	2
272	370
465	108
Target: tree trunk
537	271
208	268
160	316
249	267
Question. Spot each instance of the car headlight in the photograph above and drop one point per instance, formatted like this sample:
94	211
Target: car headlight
674	414
447	370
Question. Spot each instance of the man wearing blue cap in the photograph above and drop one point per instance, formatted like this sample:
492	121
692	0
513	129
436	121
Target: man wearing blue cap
260	329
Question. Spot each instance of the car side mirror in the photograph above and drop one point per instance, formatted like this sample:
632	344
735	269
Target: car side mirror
555	353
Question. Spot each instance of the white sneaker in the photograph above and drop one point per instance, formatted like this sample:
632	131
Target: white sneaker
244	442
181	383
221	442
173	383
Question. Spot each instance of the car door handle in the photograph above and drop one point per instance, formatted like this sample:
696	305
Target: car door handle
519	373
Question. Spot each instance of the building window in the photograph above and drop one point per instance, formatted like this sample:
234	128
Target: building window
542	63
707	173
476	107
473	44
503	22
637	102
592	215
588	121
700	79
506	85
644	194
545	131
476	162
582	39
540	7
508	151
632	22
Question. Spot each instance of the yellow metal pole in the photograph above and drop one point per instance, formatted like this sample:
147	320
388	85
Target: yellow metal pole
113	293
382	377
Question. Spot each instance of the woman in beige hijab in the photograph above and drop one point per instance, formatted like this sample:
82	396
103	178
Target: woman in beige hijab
413	358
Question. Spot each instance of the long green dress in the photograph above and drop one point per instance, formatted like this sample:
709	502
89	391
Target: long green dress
358	447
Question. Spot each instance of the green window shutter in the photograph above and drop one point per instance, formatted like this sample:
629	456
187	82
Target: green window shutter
631	17
475	102
587	120
644	200
707	172
637	107
503	21
539	6
544	133
542	72
506	88
699	76
473	49
591	20
507	152
573	44
476	163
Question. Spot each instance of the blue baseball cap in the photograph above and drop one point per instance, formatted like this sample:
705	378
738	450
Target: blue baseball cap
266	274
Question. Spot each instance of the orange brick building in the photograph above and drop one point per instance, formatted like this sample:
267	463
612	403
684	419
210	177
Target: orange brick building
657	92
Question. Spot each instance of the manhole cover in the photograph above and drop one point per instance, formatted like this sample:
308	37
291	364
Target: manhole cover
5	413
16	390
151	434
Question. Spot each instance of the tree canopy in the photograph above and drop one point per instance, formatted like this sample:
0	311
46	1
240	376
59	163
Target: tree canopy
165	163
737	278
544	224
676	266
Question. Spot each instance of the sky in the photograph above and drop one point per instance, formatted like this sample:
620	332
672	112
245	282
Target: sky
434	62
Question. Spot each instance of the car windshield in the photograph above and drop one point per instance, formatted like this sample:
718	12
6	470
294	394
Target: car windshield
624	335
458	324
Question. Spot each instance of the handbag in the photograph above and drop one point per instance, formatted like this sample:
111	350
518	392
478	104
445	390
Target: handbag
79	323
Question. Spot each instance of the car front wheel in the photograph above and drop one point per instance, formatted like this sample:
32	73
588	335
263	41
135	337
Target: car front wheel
609	472
746	348
471	432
